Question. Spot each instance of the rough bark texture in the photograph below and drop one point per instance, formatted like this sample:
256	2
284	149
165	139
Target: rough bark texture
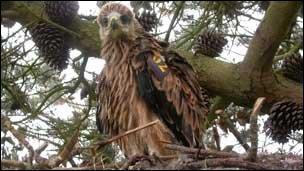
242	83
256	69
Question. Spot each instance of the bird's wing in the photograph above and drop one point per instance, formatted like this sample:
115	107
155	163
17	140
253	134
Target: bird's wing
105	120
169	86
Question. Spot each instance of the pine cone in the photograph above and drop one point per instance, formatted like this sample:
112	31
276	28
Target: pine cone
292	67
209	43
284	117
51	44
61	12
59	60
147	20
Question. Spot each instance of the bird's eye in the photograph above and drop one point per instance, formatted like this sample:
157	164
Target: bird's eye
125	19
104	21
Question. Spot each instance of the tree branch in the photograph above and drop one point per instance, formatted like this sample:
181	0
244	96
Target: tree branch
268	36
294	49
256	69
21	138
205	153
234	131
252	152
64	154
177	11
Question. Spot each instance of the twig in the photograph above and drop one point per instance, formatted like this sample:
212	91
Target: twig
21	138
169	157
249	16
252	152
184	149
177	11
33	154
66	151
38	151
103	143
216	137
228	162
41	148
294	49
237	35
235	132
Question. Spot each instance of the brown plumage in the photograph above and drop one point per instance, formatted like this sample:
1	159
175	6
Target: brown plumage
142	82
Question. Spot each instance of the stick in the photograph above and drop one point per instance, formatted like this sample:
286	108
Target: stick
102	143
228	162
40	149
252	152
216	137
168	157
64	154
20	137
234	131
218	154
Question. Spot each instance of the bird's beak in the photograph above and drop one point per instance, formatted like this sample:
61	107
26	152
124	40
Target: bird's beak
116	30
114	22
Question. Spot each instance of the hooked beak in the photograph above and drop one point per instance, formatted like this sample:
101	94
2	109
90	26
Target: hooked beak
114	23
116	30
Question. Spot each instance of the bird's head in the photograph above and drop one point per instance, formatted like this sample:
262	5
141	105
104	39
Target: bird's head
116	21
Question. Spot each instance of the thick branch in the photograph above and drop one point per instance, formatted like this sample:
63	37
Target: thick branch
268	36
256	69
88	41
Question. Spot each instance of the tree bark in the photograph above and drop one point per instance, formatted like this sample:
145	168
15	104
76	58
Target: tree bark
256	69
243	83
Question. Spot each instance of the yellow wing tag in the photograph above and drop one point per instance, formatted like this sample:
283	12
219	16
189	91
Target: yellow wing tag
160	62
158	65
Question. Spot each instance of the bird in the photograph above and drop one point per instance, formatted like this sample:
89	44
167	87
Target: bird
143	81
